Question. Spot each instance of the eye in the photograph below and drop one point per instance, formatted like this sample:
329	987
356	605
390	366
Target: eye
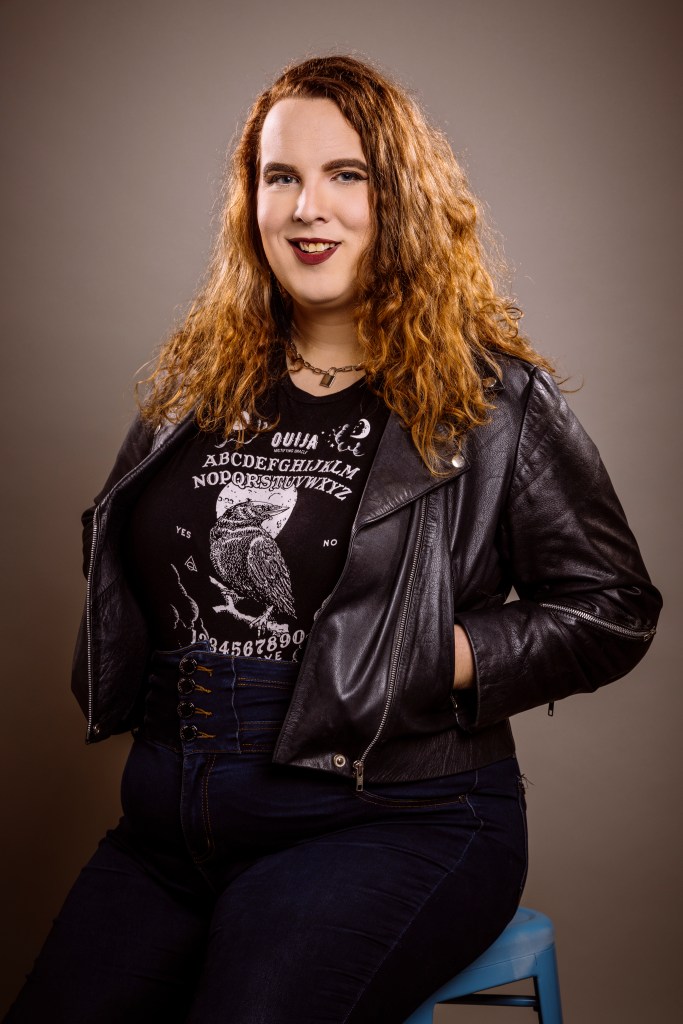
349	176
280	179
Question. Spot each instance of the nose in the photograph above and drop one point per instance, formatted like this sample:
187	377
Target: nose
311	205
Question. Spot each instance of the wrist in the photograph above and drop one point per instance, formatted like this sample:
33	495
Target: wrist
464	660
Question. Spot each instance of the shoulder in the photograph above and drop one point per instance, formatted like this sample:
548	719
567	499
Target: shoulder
551	447
141	439
518	376
527	395
530	420
508	388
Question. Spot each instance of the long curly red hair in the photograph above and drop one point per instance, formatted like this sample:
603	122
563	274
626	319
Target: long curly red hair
429	319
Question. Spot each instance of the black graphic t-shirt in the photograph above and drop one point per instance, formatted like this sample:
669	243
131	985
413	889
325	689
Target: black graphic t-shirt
241	545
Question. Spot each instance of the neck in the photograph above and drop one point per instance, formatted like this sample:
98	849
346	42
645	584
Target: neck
331	340
324	343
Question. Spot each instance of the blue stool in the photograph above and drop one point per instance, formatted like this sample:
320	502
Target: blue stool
526	949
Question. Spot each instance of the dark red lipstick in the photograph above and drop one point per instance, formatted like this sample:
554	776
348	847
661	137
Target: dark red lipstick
311	258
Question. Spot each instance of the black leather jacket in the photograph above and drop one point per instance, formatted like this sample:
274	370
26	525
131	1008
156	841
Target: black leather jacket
527	505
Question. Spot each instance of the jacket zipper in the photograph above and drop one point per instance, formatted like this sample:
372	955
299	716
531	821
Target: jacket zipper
359	765
595	620
610	627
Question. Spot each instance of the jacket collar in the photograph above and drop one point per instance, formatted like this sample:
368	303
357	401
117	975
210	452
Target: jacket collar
398	475
168	429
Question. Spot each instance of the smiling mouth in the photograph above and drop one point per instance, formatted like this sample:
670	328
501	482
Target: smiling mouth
312	244
313	250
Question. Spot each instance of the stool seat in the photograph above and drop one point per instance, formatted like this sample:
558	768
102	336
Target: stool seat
526	949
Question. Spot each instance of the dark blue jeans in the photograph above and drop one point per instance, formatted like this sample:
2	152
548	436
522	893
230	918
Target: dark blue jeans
238	891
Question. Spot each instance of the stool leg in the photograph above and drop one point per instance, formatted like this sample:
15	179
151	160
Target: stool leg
423	1015
547	985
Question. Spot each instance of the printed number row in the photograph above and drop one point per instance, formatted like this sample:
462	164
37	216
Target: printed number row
252	648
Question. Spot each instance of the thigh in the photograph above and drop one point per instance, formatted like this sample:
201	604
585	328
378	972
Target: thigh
361	924
122	948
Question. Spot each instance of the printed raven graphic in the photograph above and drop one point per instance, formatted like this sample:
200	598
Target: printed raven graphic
249	562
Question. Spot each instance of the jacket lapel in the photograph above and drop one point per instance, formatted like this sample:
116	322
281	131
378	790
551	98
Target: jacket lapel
398	475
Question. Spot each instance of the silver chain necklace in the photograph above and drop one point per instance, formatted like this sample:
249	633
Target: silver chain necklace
326	376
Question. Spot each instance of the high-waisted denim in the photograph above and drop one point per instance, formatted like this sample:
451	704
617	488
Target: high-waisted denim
238	891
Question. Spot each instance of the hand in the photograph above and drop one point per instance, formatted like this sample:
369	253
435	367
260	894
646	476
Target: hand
464	660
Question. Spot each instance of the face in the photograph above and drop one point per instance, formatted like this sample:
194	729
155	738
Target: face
312	203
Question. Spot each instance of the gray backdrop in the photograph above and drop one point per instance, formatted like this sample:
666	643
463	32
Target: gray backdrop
566	116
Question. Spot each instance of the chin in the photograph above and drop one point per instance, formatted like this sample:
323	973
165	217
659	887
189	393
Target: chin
325	305
323	299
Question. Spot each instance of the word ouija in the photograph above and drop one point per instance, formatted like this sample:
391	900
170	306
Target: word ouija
293	440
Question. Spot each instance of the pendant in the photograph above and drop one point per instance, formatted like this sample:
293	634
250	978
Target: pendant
327	378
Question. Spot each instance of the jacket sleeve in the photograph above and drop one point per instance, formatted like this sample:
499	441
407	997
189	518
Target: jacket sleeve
136	445
587	610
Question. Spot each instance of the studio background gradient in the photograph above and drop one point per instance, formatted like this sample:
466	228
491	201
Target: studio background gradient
116	115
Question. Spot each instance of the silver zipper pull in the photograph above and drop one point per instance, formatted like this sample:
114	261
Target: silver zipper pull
551	708
358	773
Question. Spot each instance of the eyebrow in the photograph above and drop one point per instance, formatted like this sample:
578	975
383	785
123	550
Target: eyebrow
332	165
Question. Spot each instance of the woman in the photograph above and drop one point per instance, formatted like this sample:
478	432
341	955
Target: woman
297	576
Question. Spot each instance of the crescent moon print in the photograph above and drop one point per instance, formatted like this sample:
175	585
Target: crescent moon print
341	435
362	429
